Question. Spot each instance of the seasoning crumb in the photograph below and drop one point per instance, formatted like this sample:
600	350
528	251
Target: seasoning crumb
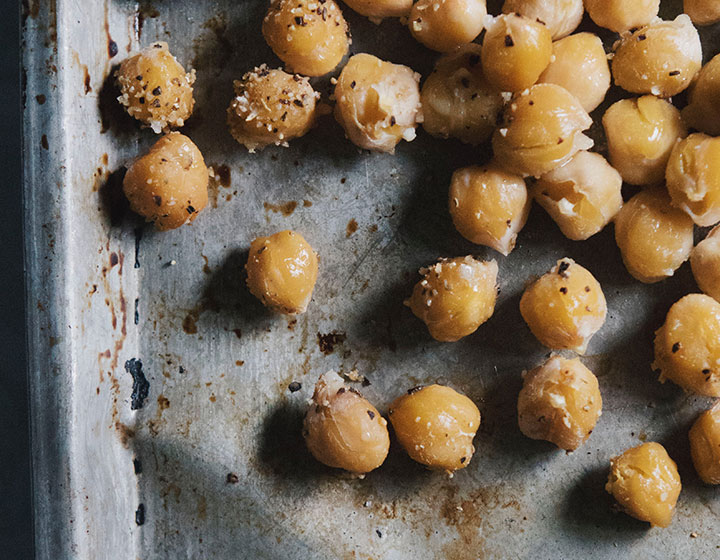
232	478
294	387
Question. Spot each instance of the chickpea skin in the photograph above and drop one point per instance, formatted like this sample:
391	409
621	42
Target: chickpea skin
342	429
687	346
645	482
168	185
443	25
562	17
489	206
702	12
311	38
565	307
282	270
436	426
641	134
703	112
560	402
705	445
705	263
455	297
582	196
378	9
622	15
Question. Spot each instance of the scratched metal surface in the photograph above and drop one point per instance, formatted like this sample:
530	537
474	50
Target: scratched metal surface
213	466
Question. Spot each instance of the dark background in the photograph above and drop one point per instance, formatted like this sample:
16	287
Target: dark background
15	509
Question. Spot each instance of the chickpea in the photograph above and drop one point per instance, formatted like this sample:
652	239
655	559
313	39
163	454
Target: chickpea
702	12
455	297
378	9
443	25
155	89
687	346
645	482
515	52
622	15
565	307
641	134
654	238
705	445
311	38
580	66
436	426
282	270
457	100
705	263
342	429
541	130
489	206
271	107
703	112
582	196
661	58
378	103
560	402
168	185
562	17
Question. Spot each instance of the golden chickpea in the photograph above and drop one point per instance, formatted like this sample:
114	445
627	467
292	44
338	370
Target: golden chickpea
703	112
687	346
342	429
645	482
271	107
455	297
378	103
641	134
705	263
702	12
705	445
541	130
436	426
565	307
443	25
654	238
311	38
562	17
515	52
560	402
661	58
155	89
582	196
580	66
282	270
378	9
622	15
168	185
457	100
489	206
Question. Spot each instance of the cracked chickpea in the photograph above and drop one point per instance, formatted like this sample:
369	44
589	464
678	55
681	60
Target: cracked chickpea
443	25
622	15
703	111
705	445
378	9
342	429
562	17
702	12
705	263
436	426
565	307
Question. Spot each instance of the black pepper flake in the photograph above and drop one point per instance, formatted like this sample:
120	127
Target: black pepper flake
181	369
474	59
300	21
562	269
284	116
294	387
563	290
465	82
415	389
473	96
706	371
353	84
322	12
365	382
379	534
508	223
190	209
140	515
296	78
341	390
675	73
392	121
675	347
298	102
642	37
587	288
232	478
561	140
138	78
142	101
463	459
355	391
509	41
157	91
157	200
371	414
531	103
155	103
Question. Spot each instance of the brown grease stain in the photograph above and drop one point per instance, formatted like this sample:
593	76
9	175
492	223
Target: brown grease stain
206	267
40	99
327	342
163	402
125	432
307	203
44	142
189	323
285	208
86	79
351	228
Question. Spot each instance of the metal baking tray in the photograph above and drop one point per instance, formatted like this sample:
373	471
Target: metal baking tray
213	465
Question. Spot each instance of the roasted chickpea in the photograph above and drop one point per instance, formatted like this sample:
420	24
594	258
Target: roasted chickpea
562	17
705	263
443	25
457	100
654	238
378	9
436	426
311	38
560	402
342	429
168	185
693	178
515	52
582	196
541	130
640	135
687	346
489	206
565	307
271	107
703	111
378	103
282	270
661	58
622	15
455	297
645	482
705	445
702	12
580	66
155	89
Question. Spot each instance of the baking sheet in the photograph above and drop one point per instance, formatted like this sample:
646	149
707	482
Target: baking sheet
213	465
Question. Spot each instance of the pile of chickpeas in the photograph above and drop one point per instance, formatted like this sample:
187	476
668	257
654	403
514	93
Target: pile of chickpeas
525	82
